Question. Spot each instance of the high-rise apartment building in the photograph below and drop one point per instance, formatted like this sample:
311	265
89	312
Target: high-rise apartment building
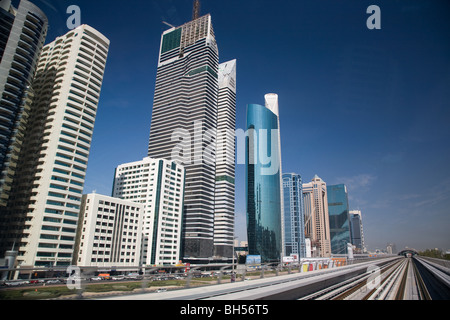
184	129
46	193
293	215
22	36
338	216
357	233
264	197
157	184
109	232
225	155
317	226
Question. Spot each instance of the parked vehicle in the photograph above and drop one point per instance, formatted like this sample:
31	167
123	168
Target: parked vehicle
134	276
53	281
16	283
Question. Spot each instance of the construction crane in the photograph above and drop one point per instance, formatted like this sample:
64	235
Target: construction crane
196	10
168	24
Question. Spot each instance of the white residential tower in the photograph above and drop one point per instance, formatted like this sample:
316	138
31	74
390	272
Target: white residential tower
158	185
46	193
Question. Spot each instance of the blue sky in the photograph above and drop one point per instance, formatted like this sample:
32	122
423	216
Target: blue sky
367	108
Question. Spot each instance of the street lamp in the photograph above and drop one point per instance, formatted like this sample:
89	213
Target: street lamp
233	275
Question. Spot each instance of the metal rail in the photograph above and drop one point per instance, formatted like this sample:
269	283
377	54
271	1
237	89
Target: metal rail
392	282
346	288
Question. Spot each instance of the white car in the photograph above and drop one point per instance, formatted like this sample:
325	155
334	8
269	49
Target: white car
96	279
53	281
15	283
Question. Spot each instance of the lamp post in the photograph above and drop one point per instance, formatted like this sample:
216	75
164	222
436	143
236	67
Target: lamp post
233	274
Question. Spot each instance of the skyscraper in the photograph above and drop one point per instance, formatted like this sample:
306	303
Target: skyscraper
225	155
340	233
22	36
46	193
158	185
293	215
184	129
357	233
263	180
317	226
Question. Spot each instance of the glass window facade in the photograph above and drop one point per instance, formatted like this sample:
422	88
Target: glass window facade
263	190
294	224
171	40
339	218
356	231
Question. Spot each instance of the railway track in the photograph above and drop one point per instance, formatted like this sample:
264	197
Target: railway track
385	279
404	279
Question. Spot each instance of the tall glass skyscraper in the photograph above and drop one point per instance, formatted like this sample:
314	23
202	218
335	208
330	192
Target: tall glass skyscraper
339	218
22	35
263	180
184	127
356	228
294	222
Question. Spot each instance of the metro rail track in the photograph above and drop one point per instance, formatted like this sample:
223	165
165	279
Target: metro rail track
394	278
404	279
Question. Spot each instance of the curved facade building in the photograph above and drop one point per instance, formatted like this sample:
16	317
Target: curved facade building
263	181
22	36
46	193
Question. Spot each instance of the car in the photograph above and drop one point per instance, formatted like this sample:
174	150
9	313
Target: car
15	283
133	276
36	281
118	278
161	290
53	281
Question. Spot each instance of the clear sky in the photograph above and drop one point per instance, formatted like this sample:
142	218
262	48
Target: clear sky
367	108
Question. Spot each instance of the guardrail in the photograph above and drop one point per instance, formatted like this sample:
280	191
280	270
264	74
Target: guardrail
60	273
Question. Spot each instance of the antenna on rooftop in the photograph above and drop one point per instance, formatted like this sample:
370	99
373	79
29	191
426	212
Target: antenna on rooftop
196	10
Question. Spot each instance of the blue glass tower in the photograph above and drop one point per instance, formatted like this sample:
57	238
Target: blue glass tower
263	181
294	222
339	218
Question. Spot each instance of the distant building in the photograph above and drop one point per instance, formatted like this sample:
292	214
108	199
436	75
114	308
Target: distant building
293	215
317	226
391	248
109	232
338	212
357	233
157	184
263	181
